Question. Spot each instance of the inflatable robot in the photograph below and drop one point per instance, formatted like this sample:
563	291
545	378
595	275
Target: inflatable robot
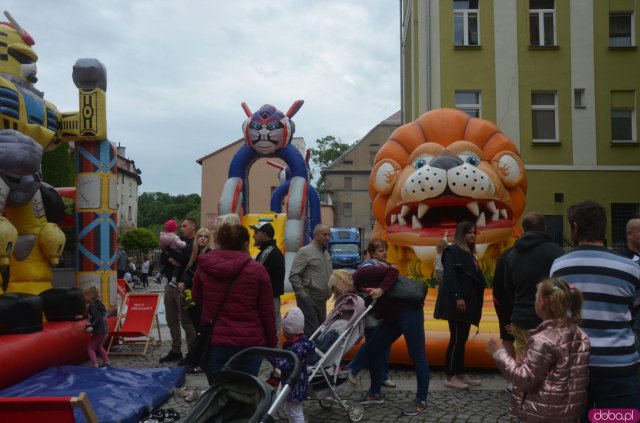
29	126
268	133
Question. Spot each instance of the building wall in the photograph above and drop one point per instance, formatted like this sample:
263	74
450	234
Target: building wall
263	179
355	166
127	202
584	163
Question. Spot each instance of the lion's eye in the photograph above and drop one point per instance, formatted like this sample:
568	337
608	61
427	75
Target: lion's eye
421	162
256	126
472	159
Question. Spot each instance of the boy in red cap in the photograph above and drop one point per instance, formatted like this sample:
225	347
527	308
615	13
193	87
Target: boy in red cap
169	239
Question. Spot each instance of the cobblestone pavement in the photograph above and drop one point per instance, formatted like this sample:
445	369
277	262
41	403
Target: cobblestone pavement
487	403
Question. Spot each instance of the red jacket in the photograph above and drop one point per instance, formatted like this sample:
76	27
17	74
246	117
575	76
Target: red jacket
247	318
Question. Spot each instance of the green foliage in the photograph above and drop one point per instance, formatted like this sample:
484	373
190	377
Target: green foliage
138	240
58	167
155	208
328	150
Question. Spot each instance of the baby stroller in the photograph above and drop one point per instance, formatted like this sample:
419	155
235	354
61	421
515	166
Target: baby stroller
238	397
343	328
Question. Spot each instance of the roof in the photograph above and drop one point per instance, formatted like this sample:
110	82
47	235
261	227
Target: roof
201	159
393	120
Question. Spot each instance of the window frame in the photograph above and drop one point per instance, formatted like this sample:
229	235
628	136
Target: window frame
465	26
347	206
461	106
632	115
632	35
350	184
546	107
578	93
540	14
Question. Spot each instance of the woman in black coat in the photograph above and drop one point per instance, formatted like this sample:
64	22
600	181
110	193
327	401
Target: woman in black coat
460	298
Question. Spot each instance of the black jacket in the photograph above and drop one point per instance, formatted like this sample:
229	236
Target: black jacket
528	264
502	301
272	259
462	278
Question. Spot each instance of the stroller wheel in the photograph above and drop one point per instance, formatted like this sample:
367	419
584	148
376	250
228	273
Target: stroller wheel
326	402
356	413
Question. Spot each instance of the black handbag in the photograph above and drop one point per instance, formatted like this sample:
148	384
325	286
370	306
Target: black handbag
197	354
408	291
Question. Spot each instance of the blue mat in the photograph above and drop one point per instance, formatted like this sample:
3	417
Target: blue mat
117	395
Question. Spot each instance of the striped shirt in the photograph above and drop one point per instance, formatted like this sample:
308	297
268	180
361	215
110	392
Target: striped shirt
610	286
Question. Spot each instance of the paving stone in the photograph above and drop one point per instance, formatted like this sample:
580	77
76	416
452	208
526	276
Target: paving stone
488	404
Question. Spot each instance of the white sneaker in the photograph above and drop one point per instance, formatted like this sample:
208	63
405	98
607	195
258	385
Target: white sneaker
469	381
455	383
353	379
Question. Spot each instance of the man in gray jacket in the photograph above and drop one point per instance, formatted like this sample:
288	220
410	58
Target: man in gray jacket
309	278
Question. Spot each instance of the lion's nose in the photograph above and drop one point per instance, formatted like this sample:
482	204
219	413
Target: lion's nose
446	161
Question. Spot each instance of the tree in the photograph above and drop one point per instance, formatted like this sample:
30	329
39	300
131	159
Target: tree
139	240
328	150
155	208
58	168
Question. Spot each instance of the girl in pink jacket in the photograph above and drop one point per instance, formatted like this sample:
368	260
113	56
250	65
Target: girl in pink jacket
550	382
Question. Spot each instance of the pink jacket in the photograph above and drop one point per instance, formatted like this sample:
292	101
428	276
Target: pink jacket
550	383
171	240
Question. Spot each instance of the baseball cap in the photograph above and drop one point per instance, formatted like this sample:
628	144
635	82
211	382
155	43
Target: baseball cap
264	227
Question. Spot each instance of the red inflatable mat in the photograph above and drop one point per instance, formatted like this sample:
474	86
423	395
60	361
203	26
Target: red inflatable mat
60	343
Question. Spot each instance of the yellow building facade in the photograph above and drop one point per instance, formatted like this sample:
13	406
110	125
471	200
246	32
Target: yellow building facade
559	77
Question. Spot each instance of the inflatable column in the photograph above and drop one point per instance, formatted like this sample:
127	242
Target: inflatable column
96	192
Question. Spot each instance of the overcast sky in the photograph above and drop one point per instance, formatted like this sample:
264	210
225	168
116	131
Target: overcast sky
177	71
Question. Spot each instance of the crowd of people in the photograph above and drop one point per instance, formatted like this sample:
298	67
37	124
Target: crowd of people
569	323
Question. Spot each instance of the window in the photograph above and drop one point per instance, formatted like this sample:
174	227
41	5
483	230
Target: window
346	210
622	127
578	98
468	102
130	189
542	23
544	117
466	23
129	213
623	122
621	29
348	182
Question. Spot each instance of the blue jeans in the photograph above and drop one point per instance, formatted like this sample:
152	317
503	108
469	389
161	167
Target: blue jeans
360	360
410	323
217	357
612	392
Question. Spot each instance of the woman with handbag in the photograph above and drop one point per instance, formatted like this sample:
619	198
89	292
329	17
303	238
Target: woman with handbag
204	243
398	318
237	301
460	299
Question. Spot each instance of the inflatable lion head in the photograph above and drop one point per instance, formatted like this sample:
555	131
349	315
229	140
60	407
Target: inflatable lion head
441	169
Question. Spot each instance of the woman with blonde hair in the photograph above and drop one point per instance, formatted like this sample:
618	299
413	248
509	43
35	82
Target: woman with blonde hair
203	244
340	283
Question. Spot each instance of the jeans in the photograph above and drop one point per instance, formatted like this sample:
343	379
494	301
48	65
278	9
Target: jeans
96	344
612	392
217	357
360	361
410	323
458	335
